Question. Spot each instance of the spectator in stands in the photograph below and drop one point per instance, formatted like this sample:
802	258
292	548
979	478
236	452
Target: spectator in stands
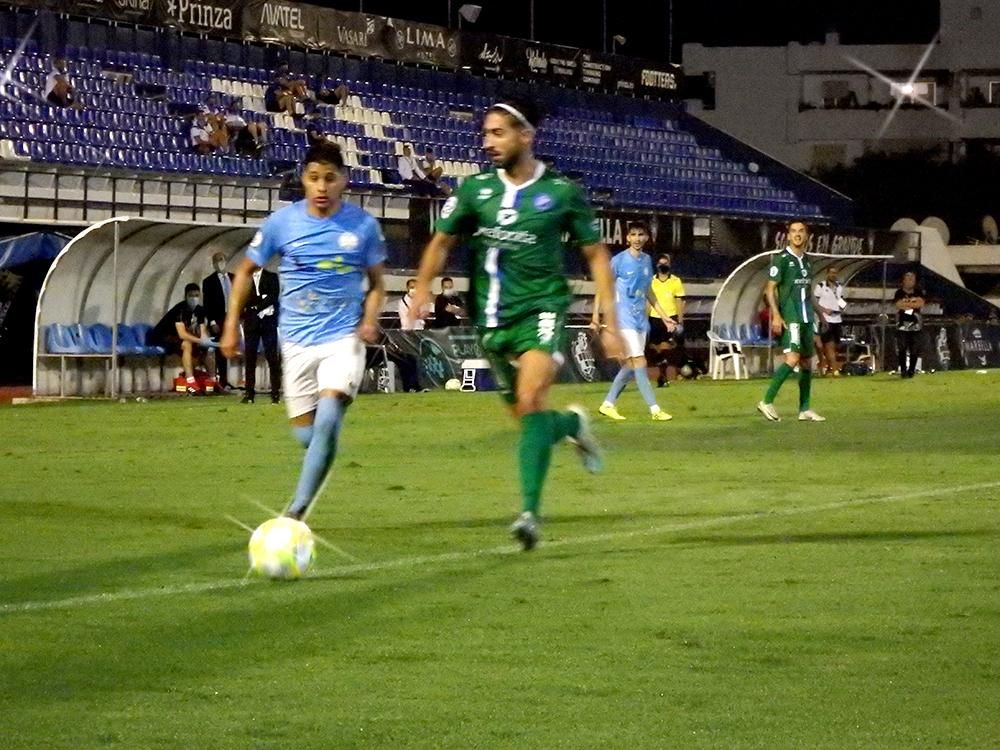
667	345
280	95
829	295
336	95
260	325
247	138
409	319
411	173
448	310
59	88
183	330
433	173
909	322
217	289
202	140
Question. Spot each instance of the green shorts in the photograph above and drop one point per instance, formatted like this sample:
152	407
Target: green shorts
544	331
798	338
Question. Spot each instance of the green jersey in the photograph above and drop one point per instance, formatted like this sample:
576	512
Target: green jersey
516	234
793	275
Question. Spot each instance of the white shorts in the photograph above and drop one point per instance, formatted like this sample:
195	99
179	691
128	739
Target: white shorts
635	342
335	366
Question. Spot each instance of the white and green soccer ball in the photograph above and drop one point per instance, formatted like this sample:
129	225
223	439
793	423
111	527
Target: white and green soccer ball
282	548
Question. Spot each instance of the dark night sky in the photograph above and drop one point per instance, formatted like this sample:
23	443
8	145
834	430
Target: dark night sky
646	24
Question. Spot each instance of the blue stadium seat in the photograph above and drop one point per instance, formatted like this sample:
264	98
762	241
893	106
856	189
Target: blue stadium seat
97	339
142	332
63	339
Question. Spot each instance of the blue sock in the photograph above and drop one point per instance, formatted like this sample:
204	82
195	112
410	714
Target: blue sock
621	380
320	453
642	380
303	434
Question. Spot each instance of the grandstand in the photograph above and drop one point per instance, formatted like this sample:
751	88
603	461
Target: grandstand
136	108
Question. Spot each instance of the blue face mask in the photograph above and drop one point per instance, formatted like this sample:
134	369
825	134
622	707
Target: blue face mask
193	302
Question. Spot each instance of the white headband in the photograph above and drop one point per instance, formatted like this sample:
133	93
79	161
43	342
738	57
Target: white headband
516	113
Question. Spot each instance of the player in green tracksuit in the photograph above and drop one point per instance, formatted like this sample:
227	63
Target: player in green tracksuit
793	317
515	217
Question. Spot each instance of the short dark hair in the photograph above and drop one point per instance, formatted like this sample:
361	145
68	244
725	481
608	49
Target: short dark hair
324	153
447	278
638	224
663	256
803	222
525	106
428	150
192	287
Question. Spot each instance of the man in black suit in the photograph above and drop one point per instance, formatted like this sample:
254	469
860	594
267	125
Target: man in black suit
260	323
216	289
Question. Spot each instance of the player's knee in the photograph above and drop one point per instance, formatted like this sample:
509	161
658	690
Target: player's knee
186	347
529	401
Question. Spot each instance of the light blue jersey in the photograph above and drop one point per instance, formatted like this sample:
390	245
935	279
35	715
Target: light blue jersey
322	269
633	277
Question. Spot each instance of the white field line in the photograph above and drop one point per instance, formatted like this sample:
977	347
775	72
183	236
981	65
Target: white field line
449	557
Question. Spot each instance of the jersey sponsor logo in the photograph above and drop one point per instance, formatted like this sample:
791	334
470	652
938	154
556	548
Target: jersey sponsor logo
543	202
506	235
449	207
485	193
332	264
506	216
257	239
348	241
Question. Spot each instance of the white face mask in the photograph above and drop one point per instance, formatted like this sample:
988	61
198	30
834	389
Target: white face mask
448	292
409	292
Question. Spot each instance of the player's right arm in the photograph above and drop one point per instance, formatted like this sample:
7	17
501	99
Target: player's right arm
457	216
431	264
262	247
600	271
771	295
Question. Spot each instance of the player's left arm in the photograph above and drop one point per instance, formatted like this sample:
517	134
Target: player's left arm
655	303
368	328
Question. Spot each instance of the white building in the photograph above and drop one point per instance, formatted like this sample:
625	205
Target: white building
810	106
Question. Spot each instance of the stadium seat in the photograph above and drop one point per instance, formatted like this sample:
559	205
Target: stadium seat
63	339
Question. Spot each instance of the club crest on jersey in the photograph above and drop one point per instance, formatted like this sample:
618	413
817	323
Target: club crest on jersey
543	202
774	271
348	241
804	273
506	216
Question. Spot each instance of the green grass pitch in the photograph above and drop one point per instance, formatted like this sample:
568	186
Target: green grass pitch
725	583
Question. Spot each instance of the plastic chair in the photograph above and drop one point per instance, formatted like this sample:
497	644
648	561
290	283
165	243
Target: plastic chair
722	351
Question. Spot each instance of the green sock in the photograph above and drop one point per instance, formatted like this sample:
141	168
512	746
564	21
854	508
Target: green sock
780	376
564	424
534	453
805	388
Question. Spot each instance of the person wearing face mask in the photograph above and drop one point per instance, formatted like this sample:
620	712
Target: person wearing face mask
448	309
409	317
669	292
216	289
183	330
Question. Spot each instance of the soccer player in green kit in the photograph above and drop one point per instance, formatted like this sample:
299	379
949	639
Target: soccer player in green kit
515	216
793	317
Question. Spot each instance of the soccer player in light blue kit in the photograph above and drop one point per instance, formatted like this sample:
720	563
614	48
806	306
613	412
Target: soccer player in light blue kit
633	270
328	249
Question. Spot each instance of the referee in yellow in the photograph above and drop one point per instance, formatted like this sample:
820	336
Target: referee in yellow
669	292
